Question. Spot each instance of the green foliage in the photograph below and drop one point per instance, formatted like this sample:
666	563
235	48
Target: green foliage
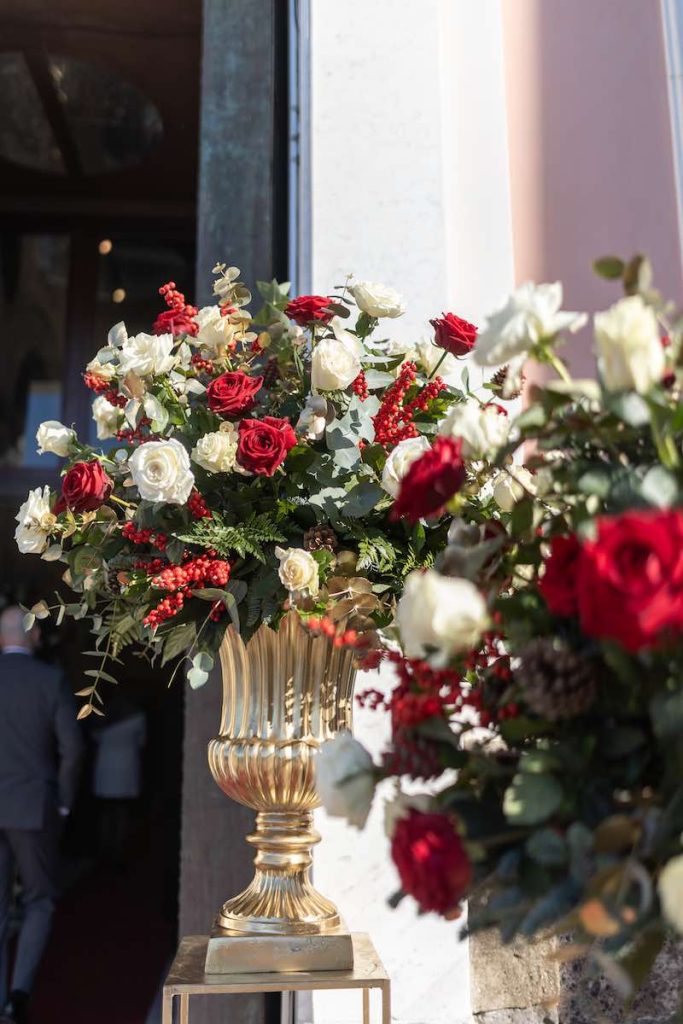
244	539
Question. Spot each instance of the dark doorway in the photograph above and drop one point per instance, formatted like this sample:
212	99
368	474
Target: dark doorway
99	127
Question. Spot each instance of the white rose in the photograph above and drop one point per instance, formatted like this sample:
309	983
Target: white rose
510	486
399	462
630	351
161	471
313	418
147	355
441	612
531	314
36	522
101	371
483	428
336	362
216	452
53	437
377	300
298	571
216	331
670	887
345	779
107	418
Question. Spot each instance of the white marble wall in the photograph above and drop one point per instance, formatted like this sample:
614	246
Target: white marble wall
409	187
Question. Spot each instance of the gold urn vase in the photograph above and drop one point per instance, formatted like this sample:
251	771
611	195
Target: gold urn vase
284	693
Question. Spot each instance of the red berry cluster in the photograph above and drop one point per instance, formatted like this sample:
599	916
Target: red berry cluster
326	627
136	435
97	384
202	365
198	507
227	310
492	663
179	581
422	692
217	612
179	317
197	572
114	397
394	420
151	566
360	386
271	373
157	539
166	609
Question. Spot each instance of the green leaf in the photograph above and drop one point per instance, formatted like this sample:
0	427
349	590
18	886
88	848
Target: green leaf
609	267
531	798
179	641
629	407
522	516
547	847
362	498
660	487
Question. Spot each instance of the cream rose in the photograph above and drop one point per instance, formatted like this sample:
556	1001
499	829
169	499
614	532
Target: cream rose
216	452
313	418
429	357
54	438
216	332
439	616
483	428
345	779
670	887
36	522
336	362
101	371
377	300
510	486
298	571
161	472
629	345
147	355
107	418
399	462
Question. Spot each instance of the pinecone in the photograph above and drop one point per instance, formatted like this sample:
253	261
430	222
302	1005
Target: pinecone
556	682
319	537
113	580
497	383
411	755
271	373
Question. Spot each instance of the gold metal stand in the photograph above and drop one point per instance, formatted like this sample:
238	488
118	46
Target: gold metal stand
187	978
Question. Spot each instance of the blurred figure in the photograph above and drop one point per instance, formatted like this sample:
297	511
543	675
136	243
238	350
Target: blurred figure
40	755
117	776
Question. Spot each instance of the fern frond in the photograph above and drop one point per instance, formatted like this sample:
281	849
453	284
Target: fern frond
244	539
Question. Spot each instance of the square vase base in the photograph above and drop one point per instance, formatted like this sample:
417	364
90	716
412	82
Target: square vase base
233	953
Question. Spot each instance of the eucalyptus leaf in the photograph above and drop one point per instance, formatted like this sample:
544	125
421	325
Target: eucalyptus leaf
531	798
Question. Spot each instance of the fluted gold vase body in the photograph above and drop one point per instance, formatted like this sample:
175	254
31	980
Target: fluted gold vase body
284	693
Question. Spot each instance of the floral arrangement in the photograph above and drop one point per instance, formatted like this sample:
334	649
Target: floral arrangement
541	656
250	466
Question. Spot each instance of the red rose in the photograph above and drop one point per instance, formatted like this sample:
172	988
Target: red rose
630	580
431	860
84	488
309	308
284	426
232	393
558	585
431	481
262	447
454	334
175	322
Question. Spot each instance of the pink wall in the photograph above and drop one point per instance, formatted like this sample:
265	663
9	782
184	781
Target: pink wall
591	159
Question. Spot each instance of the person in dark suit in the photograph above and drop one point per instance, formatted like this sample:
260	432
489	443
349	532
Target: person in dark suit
41	748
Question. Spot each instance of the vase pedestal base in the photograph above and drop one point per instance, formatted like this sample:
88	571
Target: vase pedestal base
239	953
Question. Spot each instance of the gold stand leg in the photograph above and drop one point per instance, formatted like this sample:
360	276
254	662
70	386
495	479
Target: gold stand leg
167	1008
366	1006
184	1009
386	1004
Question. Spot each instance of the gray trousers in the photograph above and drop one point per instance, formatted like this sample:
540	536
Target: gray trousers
35	853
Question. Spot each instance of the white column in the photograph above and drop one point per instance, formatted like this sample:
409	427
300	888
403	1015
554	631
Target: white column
409	187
